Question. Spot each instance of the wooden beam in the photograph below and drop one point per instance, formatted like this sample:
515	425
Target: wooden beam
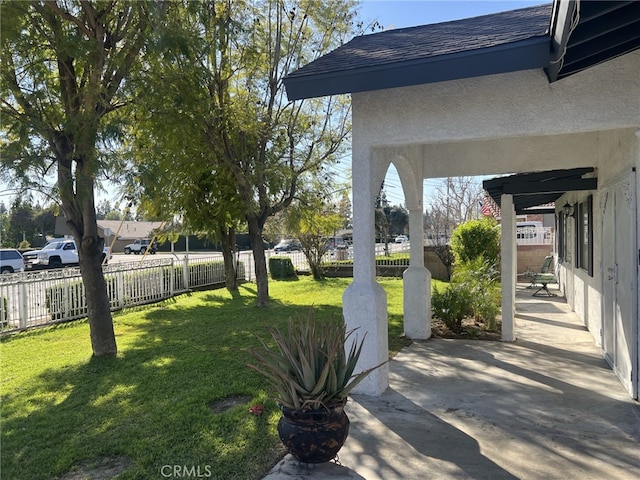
553	186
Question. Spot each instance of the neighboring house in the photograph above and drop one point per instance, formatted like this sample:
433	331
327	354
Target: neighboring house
549	93
125	232
117	233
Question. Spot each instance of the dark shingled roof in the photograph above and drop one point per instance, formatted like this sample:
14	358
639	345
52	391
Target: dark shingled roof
427	41
489	44
564	38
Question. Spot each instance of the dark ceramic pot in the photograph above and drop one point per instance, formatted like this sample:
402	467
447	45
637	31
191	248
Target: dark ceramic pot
314	436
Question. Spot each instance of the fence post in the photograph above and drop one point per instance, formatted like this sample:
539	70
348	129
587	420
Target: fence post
172	283
23	305
120	288
185	272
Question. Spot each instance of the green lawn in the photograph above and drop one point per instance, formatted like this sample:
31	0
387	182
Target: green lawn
151	405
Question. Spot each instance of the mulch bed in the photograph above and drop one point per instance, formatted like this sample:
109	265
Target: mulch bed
471	330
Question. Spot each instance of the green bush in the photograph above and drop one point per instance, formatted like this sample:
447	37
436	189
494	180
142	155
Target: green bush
4	313
476	238
481	279
451	305
281	267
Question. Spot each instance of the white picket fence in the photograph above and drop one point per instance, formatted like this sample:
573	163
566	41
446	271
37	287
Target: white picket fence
40	298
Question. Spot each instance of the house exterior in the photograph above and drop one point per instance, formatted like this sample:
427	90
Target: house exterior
119	233
116	233
548	96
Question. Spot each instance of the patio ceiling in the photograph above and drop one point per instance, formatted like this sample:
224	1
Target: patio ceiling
539	188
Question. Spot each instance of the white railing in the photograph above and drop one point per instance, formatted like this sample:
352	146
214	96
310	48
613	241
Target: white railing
40	298
534	235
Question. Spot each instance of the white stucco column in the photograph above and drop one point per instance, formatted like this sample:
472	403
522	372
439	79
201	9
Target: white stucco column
417	282
364	301
509	260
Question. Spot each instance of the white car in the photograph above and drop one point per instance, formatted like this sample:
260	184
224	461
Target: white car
11	261
402	239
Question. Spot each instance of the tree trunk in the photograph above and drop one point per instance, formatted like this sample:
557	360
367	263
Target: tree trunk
262	279
228	241
78	203
103	340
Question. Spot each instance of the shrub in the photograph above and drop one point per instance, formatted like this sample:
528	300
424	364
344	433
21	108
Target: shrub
4	313
481	279
281	267
451	305
476	238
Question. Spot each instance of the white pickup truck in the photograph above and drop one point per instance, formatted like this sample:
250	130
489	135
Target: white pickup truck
141	246
59	252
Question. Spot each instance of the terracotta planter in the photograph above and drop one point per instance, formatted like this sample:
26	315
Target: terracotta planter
314	436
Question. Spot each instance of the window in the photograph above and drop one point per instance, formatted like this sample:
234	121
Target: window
584	235
561	235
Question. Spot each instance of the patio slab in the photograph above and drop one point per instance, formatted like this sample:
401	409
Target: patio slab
544	407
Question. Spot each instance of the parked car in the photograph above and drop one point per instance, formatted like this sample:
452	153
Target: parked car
287	245
59	252
11	261
402	239
334	243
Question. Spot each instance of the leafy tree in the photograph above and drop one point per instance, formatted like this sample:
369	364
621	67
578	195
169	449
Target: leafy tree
4	224
174	177
21	222
103	208
398	220
235	116
345	210
381	222
116	215
45	224
312	221
63	71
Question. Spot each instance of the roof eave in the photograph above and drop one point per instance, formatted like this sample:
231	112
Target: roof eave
532	53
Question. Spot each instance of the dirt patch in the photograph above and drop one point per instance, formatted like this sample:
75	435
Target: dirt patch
471	330
224	404
105	468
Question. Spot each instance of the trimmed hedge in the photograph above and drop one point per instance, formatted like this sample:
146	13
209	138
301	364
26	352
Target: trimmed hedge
66	301
4	314
281	267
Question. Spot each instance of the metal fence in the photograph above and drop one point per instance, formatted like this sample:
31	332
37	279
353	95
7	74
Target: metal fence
39	298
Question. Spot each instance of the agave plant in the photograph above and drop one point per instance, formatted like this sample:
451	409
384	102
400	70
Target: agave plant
309	366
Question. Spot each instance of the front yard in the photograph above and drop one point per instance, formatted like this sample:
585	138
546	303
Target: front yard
160	406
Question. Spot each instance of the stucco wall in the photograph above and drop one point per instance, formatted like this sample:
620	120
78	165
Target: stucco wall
615	156
496	124
505	123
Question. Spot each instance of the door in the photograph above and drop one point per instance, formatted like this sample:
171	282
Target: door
619	282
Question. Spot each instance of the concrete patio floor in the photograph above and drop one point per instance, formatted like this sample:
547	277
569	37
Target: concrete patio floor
544	407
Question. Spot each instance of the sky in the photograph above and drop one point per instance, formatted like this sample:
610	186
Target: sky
395	14
410	13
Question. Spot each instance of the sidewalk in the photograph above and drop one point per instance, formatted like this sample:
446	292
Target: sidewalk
545	407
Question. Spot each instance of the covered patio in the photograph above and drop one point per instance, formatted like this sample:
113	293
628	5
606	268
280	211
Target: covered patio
546	88
545	406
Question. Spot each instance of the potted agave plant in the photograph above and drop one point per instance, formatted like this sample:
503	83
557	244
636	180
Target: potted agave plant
311	369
